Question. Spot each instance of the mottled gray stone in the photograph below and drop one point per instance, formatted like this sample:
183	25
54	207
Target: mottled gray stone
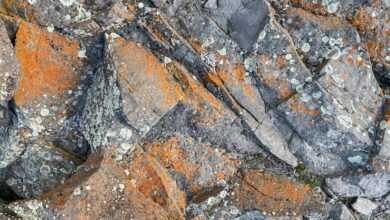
40	168
101	103
9	67
369	186
238	83
364	206
242	20
251	215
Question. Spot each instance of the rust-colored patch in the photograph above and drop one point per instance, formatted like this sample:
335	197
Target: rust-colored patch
300	107
99	196
171	155
281	61
272	193
152	180
328	22
137	60
196	45
386	111
374	49
234	75
19	8
48	63
363	21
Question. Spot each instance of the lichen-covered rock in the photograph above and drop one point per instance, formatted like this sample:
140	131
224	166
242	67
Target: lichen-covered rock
222	65
101	189
339	124
9	73
40	168
202	109
368	186
276	195
44	145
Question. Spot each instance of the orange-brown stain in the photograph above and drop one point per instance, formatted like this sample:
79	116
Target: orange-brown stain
48	63
300	107
271	193
138	60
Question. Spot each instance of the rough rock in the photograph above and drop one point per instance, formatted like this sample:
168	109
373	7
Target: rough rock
368	186
203	109
275	195
9	67
364	206
45	143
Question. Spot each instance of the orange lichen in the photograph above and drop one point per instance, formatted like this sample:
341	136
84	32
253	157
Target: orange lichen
363	21
300	107
138	61
326	21
196	45
171	154
48	63
271	193
97	182
14	6
152	180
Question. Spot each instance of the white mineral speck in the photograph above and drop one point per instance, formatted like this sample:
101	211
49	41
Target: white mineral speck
50	28
325	39
82	54
305	47
67	3
333	7
125	133
141	5
45	112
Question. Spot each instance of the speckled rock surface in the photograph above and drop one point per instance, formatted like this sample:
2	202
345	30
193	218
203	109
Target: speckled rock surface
194	109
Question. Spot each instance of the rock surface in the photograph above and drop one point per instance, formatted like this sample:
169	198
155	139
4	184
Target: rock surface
202	109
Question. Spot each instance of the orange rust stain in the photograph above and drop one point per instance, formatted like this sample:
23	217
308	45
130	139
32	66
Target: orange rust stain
271	193
171	155
138	60
374	49
386	113
281	61
48	63
328	22
363	21
300	107
234	75
196	45
14	6
284	89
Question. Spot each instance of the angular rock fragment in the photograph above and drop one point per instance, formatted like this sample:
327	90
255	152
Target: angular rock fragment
368	186
46	144
318	38
339	123
275	194
232	80
50	72
364	206
147	89
106	193
242	20
40	168
199	166
369	17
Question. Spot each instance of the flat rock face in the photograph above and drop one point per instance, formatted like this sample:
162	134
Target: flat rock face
204	109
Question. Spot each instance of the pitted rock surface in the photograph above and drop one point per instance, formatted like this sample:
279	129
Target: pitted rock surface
202	109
